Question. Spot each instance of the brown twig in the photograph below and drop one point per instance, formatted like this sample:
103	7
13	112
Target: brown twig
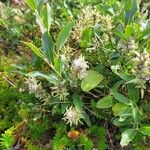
9	81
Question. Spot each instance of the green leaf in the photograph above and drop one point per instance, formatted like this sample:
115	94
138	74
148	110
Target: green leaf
135	112
146	32
56	109
77	102
63	35
118	123
87	119
118	84
91	80
128	5
32	4
40	5
145	130
64	107
46	15
105	102
125	115
129	14
127	136
52	78
129	30
120	34
121	98
118	108
86	38
48	46
133	93
35	49
58	65
40	23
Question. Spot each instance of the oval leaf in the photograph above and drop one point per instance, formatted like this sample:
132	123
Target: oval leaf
91	80
58	65
118	108
118	123
127	136
105	102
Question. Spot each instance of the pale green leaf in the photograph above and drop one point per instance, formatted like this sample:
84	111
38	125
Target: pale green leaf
105	102
127	136
91	80
119	123
118	108
136	113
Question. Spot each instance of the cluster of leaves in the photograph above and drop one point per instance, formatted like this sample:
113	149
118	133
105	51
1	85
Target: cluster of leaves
95	70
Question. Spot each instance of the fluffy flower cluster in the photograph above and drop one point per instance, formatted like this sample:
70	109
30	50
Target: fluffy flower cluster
106	22
142	68
88	18
72	116
80	66
36	88
130	45
67	55
59	90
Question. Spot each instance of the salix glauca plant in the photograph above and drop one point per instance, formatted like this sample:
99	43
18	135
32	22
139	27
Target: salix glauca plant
63	72
99	60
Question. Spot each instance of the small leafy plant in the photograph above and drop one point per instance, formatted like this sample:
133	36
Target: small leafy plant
7	139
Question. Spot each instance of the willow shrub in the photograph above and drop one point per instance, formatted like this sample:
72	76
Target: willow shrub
97	64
